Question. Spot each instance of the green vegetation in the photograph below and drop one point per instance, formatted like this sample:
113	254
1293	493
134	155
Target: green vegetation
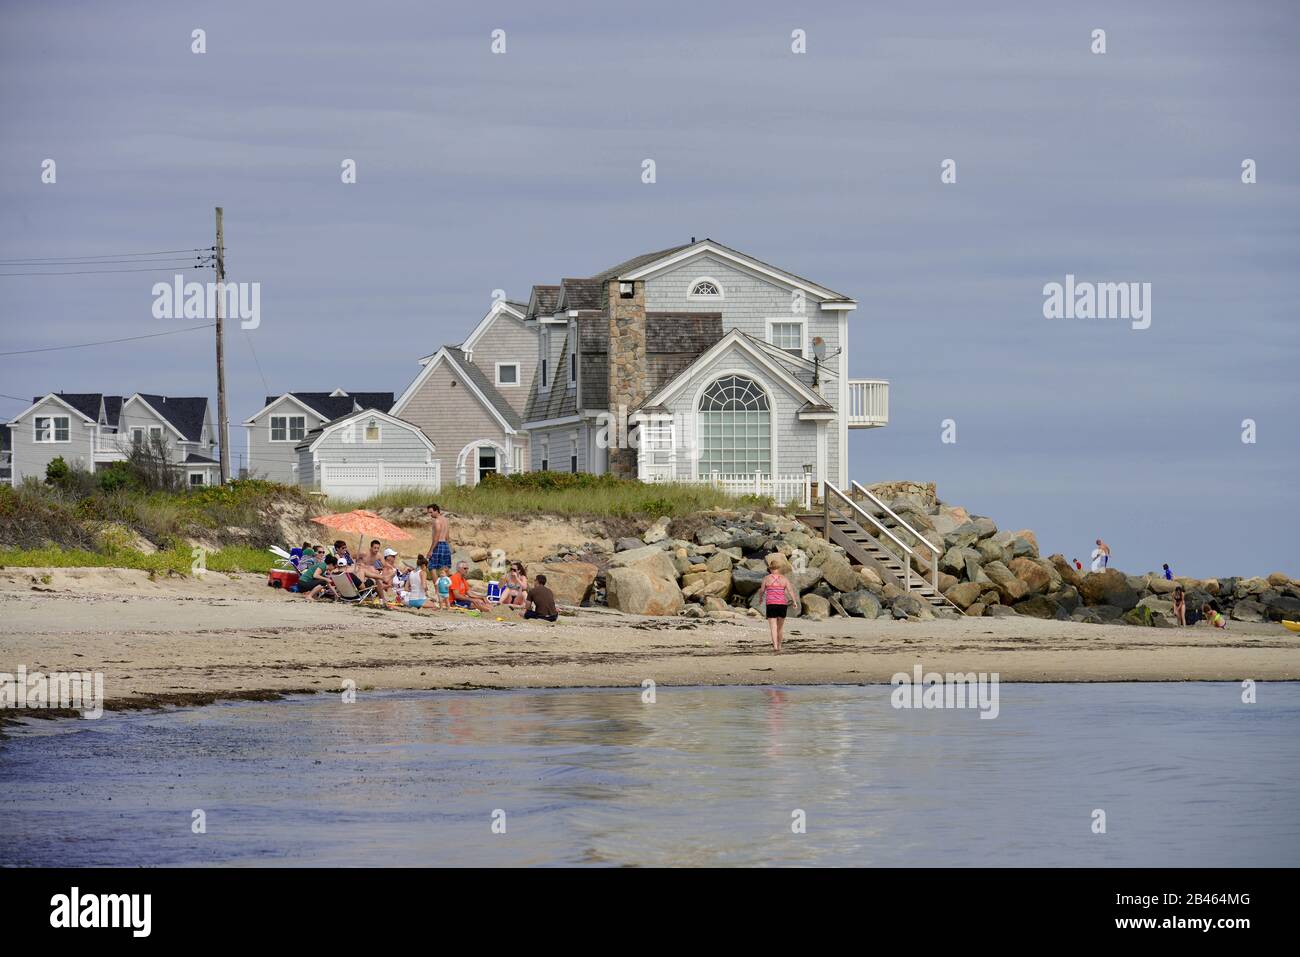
233	558
563	493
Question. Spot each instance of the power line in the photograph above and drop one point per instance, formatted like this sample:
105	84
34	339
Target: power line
156	252
108	342
94	272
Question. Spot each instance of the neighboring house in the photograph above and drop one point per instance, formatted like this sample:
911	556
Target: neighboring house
697	363
6	457
91	430
366	452
470	399
275	430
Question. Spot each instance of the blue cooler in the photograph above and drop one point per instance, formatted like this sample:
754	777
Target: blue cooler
494	592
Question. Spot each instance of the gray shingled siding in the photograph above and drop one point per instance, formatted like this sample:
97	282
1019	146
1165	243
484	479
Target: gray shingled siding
747	304
452	417
557	399
31	457
508	340
796	441
274	460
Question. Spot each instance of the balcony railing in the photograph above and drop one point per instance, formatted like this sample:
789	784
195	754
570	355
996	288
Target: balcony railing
868	403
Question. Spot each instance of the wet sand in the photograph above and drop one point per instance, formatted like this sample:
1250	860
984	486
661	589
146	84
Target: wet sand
179	641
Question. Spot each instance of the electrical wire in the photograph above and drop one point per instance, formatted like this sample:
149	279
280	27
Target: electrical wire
108	342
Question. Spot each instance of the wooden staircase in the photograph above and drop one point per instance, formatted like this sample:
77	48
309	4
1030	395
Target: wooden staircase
846	520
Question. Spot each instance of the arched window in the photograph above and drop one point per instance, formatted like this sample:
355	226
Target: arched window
705	288
735	427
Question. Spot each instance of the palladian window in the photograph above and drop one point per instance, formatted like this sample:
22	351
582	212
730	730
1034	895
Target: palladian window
735	428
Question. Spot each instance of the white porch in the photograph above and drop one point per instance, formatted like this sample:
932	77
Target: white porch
868	403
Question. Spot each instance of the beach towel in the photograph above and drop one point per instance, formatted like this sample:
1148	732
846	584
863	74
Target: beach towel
1098	560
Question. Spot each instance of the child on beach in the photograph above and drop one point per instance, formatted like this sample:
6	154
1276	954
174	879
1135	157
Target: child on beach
1213	616
444	588
777	596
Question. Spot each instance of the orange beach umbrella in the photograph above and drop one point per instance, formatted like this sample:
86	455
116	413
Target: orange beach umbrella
362	522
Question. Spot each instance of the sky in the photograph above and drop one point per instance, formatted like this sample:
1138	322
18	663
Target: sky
479	170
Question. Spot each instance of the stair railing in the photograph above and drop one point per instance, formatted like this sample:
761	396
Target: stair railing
934	559
830	490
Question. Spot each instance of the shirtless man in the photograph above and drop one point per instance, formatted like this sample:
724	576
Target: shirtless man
439	544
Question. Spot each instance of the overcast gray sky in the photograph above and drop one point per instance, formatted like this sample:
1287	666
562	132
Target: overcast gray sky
478	171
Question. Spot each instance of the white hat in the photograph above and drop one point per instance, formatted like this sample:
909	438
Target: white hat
389	553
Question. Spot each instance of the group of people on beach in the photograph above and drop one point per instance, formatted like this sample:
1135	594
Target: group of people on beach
430	582
1209	611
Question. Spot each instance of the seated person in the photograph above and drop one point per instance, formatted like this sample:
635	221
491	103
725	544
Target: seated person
514	591
315	580
386	579
541	601
461	597
342	554
1213	616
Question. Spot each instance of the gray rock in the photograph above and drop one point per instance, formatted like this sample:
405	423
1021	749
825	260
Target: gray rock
860	604
815	607
627	544
1248	610
1040	606
806	579
712	535
1000	611
745	581
657	532
911	606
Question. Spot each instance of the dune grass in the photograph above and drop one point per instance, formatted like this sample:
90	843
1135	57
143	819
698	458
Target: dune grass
565	494
181	561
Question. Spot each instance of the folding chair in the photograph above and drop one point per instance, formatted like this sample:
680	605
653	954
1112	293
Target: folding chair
346	590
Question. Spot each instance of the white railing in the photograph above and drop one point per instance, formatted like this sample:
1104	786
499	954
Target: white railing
111	445
935	550
868	403
794	488
363	479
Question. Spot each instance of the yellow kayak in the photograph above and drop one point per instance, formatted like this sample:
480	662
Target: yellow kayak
1291	625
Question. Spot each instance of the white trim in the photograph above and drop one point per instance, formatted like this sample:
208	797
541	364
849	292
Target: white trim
844	401
498	307
54	430
383	416
733	338
820	465
156	414
707	247
339	394
442	354
378	439
817	416
839	305
571	372
547	423
691	294
714	375
55	397
506	385
802	321
252	420
463	471
288	431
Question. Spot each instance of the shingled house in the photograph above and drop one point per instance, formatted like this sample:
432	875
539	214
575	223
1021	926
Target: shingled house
90	430
276	429
697	363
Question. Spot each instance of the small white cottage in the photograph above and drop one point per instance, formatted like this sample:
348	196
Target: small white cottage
367	452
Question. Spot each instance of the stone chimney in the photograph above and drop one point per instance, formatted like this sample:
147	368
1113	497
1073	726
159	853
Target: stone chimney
627	363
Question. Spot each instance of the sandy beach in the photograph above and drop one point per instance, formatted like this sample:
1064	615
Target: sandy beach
189	641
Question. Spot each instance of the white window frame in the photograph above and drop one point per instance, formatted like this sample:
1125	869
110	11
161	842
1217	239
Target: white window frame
507	385
155	433
544	381
692	294
142	432
573	355
790	320
379	432
288	428
202	478
478	466
546	454
573	453
53	429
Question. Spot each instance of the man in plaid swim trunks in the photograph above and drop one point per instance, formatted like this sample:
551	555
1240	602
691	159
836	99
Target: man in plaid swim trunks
439	546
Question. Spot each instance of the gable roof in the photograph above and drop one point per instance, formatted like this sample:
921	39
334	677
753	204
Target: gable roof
738	340
580	294
331	405
185	414
638	262
78	403
512	309
542	301
112	409
474	377
643	266
314	437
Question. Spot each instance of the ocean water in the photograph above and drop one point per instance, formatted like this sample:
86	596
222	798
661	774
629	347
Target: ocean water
1186	774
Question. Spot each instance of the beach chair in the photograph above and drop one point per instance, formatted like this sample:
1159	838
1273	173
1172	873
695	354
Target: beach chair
346	590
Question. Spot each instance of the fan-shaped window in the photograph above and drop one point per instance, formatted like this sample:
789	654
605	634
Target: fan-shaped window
735	427
706	288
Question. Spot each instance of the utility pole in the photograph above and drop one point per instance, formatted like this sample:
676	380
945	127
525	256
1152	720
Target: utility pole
223	425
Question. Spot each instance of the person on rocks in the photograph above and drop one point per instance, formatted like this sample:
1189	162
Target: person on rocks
1100	556
1169	576
778	596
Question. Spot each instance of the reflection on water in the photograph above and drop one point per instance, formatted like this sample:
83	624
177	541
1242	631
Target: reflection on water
1186	774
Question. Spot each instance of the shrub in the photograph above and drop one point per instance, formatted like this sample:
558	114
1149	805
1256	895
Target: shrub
57	472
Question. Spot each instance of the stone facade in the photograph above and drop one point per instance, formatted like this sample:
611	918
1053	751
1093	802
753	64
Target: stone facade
627	364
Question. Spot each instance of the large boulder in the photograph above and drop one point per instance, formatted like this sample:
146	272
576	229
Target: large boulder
627	544
745	581
815	607
1035	577
1000	611
1142	615
1109	587
991	551
839	574
1283	608
963	595
1040	606
953	561
571	582
1278	579
712	535
860	604
1067	596
911	606
657	532
965	534
1010	588
650	559
719	562
1248	610
633	591
1065	568
805	580
975	573
1030	538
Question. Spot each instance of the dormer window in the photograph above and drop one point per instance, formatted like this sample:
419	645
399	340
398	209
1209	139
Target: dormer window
705	288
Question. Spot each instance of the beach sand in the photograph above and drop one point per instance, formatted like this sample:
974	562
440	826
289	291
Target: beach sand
182	641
